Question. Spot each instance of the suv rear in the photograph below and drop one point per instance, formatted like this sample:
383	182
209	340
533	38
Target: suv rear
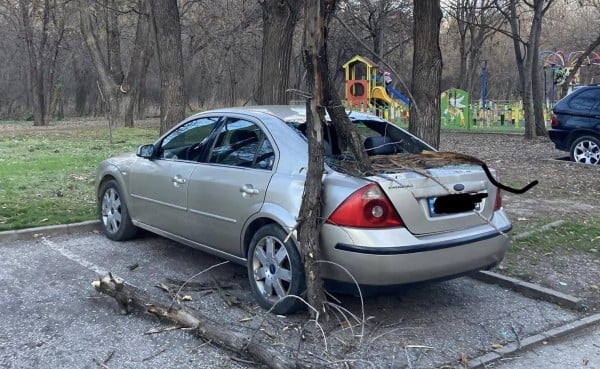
576	125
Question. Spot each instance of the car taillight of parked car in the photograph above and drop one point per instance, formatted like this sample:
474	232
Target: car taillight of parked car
553	121
368	207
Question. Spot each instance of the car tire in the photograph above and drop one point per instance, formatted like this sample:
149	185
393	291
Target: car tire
275	270
586	149
114	216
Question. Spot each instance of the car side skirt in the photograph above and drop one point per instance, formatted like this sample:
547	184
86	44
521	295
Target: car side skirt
193	244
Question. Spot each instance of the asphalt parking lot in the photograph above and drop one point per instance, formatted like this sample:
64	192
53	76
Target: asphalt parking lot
53	318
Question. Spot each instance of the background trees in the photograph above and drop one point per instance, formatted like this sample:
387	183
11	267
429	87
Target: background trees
227	59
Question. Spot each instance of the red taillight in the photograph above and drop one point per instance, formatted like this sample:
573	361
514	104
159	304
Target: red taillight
498	201
368	207
553	121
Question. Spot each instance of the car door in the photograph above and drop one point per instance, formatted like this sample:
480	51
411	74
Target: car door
159	186
226	190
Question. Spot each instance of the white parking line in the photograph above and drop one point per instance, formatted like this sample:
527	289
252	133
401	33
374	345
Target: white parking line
76	258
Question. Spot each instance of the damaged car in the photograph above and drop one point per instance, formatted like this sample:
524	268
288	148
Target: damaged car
230	182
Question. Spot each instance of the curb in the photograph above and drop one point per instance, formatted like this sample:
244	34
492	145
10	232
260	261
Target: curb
530	290
54	230
548	336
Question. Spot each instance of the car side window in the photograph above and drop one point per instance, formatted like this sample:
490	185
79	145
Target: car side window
242	143
585	100
189	140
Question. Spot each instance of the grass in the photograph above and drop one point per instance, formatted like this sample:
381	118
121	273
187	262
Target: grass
48	176
582	237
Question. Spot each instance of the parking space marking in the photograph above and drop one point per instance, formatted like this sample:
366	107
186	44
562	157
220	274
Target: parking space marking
74	257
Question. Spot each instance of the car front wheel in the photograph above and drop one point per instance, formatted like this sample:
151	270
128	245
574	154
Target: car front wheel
114	215
275	270
586	150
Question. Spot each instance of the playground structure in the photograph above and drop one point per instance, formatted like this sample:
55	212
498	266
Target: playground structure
366	90
560	66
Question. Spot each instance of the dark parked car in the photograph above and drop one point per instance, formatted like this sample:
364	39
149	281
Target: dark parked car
576	125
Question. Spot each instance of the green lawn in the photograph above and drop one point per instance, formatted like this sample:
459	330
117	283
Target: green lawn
47	175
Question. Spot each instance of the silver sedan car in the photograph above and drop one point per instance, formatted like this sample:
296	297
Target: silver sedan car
230	182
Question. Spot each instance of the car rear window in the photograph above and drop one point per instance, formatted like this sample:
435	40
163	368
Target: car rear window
586	100
379	138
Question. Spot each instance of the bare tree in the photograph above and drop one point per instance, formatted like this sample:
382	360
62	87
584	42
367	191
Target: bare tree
36	53
310	210
427	72
279	20
113	83
476	22
167	29
526	57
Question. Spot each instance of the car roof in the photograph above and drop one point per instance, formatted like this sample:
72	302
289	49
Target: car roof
292	113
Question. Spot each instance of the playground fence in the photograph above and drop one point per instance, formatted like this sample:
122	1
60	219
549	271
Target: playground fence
497	115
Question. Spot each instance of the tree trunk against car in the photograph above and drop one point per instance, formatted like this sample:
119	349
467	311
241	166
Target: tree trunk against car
279	20
335	108
35	55
167	30
310	211
427	72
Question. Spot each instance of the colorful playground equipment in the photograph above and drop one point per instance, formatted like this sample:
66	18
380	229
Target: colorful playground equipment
367	90
560	65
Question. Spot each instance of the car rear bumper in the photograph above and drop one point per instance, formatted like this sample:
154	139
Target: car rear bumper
394	256
560	139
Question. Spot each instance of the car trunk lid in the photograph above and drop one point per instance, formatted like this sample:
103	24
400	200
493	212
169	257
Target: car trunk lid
443	199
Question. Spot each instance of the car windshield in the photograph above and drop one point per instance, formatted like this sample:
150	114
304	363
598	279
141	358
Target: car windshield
378	137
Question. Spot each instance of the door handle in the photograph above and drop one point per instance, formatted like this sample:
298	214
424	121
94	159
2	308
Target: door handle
178	180
248	189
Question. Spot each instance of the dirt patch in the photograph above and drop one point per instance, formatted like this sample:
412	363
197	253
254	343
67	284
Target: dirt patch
566	191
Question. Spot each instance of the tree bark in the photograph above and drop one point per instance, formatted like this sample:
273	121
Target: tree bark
132	299
427	72
279	20
526	55
112	94
167	30
138	67
36	61
310	210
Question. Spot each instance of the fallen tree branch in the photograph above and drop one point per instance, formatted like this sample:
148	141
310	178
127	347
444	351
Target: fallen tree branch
132	299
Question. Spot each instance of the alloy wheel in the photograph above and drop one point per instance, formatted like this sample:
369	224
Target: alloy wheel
111	210
272	268
587	152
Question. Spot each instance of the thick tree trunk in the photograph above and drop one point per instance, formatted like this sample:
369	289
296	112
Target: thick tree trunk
279	19
113	95
138	67
132	299
167	29
427	72
36	65
310	210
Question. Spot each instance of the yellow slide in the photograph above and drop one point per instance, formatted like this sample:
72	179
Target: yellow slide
380	93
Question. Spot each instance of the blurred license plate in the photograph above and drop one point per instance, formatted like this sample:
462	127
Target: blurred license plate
464	203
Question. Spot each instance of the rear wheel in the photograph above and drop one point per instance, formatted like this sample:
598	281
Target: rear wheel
275	270
114	215
586	150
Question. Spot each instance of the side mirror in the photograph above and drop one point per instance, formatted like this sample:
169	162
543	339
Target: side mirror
146	151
